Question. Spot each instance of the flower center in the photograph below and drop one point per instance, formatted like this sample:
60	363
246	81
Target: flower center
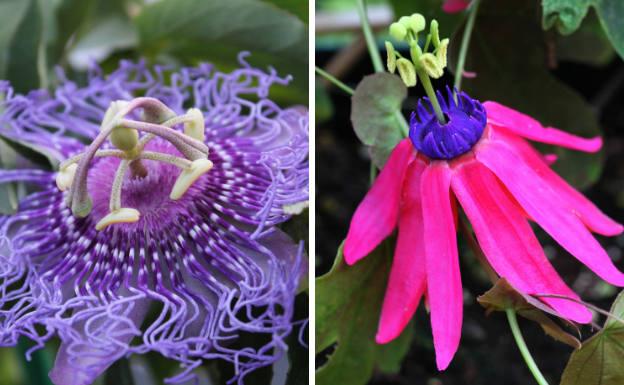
121	126
465	122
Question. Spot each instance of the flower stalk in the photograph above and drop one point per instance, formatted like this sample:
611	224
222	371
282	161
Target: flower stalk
524	350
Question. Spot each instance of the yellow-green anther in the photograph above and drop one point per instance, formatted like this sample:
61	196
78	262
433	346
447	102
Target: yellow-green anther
435	33
112	111
124	138
391	61
431	65
441	52
398	31
407	71
187	177
65	177
195	126
121	215
417	22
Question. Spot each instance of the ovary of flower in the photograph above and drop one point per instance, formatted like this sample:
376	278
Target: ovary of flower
187	177
122	215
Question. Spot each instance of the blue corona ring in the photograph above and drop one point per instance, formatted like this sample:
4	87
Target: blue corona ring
466	119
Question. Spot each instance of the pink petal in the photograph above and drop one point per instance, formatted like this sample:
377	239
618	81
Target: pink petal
377	214
508	240
550	159
407	277
454	6
527	127
591	215
544	205
444	288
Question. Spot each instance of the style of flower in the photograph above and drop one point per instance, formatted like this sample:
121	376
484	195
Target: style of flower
482	158
163	242
455	6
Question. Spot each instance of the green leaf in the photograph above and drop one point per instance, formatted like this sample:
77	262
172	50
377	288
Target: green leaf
589	44
599	360
374	107
218	30
348	304
611	14
21	43
503	296
527	85
297	8
566	16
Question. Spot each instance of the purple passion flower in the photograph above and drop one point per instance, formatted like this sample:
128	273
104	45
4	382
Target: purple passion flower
158	232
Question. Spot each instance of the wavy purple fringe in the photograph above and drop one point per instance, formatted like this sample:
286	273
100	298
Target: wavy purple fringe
187	289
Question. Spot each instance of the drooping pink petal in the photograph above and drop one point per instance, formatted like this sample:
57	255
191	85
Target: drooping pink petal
527	127
508	241
377	214
444	288
591	215
544	205
454	6
407	276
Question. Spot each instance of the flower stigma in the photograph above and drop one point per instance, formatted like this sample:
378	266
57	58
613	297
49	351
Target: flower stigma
440	128
125	134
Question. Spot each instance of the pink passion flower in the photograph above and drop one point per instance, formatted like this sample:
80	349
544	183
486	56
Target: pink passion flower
482	158
455	6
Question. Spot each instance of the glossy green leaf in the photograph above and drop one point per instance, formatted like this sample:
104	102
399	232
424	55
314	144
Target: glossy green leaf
348	304
526	84
374	107
566	16
503	296
21	43
599	360
217	30
297	8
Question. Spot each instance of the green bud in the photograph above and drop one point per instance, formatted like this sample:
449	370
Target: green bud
391	60
417	22
441	52
398	31
435	34
124	138
431	64
407	71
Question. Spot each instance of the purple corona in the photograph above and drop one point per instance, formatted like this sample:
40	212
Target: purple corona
466	119
158	232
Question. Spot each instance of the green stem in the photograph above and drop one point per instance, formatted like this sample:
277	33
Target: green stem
426	83
515	330
370	39
334	80
461	60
